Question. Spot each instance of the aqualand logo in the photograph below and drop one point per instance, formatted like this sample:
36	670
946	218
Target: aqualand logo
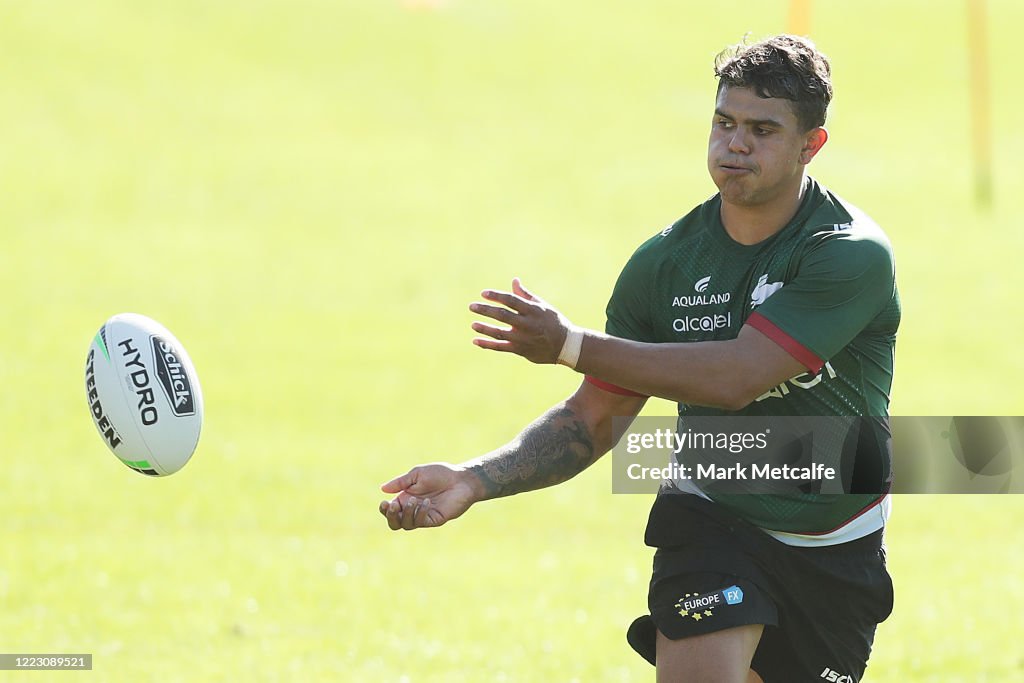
701	298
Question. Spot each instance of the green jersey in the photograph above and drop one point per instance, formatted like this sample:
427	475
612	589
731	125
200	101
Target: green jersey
823	288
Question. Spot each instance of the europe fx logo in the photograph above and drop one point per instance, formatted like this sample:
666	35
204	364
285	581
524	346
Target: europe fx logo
702	606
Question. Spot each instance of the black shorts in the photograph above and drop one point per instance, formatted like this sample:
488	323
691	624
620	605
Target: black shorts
713	571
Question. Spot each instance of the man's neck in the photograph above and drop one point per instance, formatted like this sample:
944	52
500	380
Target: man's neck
753	224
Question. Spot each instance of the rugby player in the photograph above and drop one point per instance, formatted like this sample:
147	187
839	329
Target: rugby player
774	297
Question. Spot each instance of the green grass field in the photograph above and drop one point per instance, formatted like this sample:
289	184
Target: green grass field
309	194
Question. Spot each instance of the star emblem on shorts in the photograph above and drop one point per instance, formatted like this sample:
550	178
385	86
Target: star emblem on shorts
683	612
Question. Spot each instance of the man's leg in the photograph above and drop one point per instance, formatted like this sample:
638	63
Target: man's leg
717	657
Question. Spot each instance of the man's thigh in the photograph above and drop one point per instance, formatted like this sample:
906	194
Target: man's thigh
716	657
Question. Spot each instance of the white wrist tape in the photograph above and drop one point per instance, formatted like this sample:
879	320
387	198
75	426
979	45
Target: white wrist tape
570	353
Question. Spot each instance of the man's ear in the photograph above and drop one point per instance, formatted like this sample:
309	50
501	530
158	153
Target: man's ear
815	140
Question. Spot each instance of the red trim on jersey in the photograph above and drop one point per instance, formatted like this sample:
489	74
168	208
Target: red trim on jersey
788	344
612	388
847	522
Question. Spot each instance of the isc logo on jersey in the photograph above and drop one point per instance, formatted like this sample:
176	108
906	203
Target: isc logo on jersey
143	394
836	677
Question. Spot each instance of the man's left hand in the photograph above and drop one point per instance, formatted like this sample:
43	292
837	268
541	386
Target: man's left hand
536	330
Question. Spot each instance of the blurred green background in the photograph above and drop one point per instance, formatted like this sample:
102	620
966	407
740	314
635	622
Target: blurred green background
309	193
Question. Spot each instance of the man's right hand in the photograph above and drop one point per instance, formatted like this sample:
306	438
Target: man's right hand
429	495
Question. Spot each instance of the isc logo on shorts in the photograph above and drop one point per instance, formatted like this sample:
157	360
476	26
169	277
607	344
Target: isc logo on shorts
836	677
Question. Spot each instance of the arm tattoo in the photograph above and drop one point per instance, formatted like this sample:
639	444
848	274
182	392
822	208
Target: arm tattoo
556	447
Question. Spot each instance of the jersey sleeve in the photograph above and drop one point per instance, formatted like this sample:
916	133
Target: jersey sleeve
628	313
842	282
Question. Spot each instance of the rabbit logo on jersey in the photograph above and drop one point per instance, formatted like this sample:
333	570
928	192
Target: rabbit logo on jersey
763	290
173	378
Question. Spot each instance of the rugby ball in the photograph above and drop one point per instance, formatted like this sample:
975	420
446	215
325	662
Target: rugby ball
143	394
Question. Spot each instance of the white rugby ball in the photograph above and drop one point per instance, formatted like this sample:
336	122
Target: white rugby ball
144	394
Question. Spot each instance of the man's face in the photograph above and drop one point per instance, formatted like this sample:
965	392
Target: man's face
757	152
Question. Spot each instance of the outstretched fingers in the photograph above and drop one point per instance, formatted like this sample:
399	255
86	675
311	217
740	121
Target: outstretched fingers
492	345
519	290
492	331
498	313
501	338
513	301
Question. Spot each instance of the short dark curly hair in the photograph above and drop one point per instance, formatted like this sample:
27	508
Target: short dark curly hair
784	66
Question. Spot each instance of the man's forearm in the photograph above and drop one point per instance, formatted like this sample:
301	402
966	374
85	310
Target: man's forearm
557	446
725	374
699	373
